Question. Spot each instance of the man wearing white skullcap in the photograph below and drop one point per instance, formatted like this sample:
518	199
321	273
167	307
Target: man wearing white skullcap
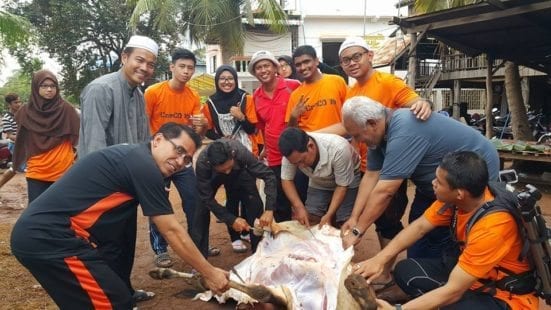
356	58
145	43
113	112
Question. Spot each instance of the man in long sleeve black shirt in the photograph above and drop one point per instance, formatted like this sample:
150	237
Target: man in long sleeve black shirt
227	162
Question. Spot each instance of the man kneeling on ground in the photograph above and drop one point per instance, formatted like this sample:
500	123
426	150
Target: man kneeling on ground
69	237
462	279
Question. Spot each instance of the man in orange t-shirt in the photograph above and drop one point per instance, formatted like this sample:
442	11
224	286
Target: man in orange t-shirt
174	101
461	187
317	102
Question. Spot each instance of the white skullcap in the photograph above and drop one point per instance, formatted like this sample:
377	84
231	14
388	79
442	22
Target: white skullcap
353	41
144	42
261	55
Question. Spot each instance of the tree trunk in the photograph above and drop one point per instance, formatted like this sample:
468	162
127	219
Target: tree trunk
489	97
226	56
412	62
519	119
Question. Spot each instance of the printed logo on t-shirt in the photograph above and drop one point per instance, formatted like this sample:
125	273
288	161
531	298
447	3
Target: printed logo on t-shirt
174	115
320	103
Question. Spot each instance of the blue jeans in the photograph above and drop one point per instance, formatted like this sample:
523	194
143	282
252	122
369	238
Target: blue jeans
186	184
23	166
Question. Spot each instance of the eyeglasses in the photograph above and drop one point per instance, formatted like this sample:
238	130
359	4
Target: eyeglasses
46	86
355	57
228	79
181	151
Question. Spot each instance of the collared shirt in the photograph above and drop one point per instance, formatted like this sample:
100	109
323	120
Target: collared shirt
338	165
413	149
244	161
113	112
271	116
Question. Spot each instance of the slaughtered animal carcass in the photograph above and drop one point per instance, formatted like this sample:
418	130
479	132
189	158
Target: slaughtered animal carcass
306	267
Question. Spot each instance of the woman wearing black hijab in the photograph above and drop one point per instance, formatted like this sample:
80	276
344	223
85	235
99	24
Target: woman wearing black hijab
47	131
287	68
230	110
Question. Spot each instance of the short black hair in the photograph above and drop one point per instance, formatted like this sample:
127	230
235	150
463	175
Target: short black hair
218	153
466	170
182	53
305	50
293	139
128	50
11	97
173	130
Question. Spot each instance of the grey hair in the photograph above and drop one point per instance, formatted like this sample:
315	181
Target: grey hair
360	109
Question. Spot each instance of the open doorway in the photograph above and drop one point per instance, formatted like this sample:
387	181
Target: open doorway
330	53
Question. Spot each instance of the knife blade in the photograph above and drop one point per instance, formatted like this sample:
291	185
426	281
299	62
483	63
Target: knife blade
237	274
312	233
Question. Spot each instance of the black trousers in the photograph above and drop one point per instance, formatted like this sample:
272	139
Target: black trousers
36	187
80	282
240	187
417	276
283	211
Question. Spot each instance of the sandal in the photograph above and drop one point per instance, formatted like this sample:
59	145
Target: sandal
214	251
163	260
239	247
141	295
246	238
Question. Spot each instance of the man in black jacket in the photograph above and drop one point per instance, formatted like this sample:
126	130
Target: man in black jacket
227	162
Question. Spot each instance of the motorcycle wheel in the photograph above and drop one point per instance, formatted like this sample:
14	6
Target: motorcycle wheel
545	139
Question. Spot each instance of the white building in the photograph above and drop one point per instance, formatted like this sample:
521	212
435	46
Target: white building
322	24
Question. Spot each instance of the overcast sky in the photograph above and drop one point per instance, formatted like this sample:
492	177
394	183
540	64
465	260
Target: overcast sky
374	7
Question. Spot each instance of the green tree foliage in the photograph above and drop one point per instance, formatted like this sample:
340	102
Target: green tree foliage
19	83
428	6
211	21
85	37
13	28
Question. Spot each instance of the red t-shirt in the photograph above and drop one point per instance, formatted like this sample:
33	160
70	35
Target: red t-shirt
271	116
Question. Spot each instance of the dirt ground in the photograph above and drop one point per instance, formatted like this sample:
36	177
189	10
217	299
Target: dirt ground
19	290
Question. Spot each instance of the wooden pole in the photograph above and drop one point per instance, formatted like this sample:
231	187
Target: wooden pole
489	97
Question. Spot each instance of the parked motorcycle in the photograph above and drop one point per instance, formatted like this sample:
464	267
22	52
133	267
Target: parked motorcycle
540	130
5	154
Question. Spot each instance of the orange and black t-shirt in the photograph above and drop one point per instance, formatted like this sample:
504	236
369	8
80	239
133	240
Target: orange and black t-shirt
492	241
52	164
164	104
92	202
325	99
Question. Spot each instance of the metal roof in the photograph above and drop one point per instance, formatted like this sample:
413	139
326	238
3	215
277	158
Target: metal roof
515	30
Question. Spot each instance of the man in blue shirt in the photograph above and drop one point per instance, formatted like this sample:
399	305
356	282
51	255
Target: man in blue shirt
401	147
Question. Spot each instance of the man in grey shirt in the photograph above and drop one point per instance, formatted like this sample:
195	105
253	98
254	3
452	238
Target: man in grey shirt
113	106
113	112
401	147
333	167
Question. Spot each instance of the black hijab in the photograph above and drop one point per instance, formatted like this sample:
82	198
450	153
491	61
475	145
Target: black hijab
224	101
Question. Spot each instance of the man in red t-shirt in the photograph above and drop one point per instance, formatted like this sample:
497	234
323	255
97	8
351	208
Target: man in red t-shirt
271	100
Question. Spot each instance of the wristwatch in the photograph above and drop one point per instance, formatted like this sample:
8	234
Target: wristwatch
356	232
398	306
